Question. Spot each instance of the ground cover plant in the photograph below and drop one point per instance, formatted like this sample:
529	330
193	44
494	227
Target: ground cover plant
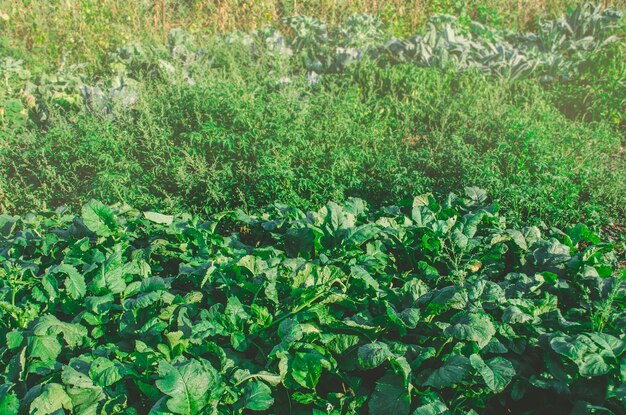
433	308
201	126
199	222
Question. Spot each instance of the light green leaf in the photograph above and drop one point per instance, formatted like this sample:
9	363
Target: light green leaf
433	408
593	365
518	238
451	373
476	196
306	369
459	239
105	372
361	274
187	383
45	348
49	325
99	218
9	402
497	372
475	327
258	396
423	217
159	218
52	398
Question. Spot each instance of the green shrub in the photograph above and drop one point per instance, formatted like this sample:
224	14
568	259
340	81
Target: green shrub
237	138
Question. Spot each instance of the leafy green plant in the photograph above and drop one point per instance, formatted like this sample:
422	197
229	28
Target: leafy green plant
426	308
554	53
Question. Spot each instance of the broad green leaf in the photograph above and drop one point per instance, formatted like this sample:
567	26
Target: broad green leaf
497	372
581	232
45	348
84	394
476	196
187	383
410	317
423	217
14	339
373	355
390	397
9	402
593	365
104	372
50	285
513	315
518	238
451	373
475	327
290	331
401	366
459	239
551	253
433	408
52	400
448	297
258	396
362	234
74	377
608	343
306	369
49	325
342	342
573	347
159	218
359	273
422	200
99	218
74	283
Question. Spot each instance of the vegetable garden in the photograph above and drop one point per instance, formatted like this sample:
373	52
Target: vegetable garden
293	220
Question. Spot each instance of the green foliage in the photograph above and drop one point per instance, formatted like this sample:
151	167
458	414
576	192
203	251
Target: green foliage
242	121
426	308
